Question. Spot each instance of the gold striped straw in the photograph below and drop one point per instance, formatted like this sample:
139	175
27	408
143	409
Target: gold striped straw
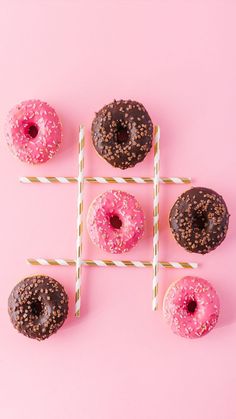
116	263
79	221
99	179
156	217
135	179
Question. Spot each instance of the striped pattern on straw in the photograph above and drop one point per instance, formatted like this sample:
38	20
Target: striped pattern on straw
116	263
99	179
156	217
79	221
136	180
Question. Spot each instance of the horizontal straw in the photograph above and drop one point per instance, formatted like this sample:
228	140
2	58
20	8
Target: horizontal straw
136	180
117	263
61	179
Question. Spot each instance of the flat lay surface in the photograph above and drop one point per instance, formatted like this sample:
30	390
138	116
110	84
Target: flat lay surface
120	359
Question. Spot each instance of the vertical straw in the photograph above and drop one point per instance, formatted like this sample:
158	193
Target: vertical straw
79	221
156	217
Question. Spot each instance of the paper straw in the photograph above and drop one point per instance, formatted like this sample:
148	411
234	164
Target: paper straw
48	179
116	263
137	180
79	221
99	179
156	217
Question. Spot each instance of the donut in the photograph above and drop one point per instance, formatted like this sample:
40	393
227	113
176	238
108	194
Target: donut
191	307
115	221
38	306
33	131
122	133
199	220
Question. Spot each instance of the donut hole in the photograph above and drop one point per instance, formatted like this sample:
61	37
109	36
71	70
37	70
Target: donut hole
200	220
122	134
191	306
31	130
36	308
115	222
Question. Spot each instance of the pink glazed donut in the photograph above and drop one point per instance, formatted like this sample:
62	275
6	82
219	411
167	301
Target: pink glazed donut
33	131
115	221
191	307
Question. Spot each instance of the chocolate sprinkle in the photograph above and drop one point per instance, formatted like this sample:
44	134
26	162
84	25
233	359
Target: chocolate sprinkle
199	220
38	306
122	133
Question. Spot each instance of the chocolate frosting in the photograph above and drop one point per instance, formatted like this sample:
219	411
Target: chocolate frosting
199	220
122	133
38	306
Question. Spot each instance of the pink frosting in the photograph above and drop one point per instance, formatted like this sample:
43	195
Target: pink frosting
115	221
33	131
191	307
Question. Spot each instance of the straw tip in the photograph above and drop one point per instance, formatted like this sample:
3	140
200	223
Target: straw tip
156	129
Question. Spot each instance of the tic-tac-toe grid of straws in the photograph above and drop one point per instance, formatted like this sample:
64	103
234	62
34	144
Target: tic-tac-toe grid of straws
156	180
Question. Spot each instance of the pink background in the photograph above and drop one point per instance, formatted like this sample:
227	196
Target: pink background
120	360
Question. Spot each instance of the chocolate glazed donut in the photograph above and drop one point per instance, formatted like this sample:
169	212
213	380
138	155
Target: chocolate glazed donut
38	306
199	220
122	133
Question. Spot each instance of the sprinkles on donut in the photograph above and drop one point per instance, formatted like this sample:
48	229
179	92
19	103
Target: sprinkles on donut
115	221
199	220
122	133
191	307
33	131
38	306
